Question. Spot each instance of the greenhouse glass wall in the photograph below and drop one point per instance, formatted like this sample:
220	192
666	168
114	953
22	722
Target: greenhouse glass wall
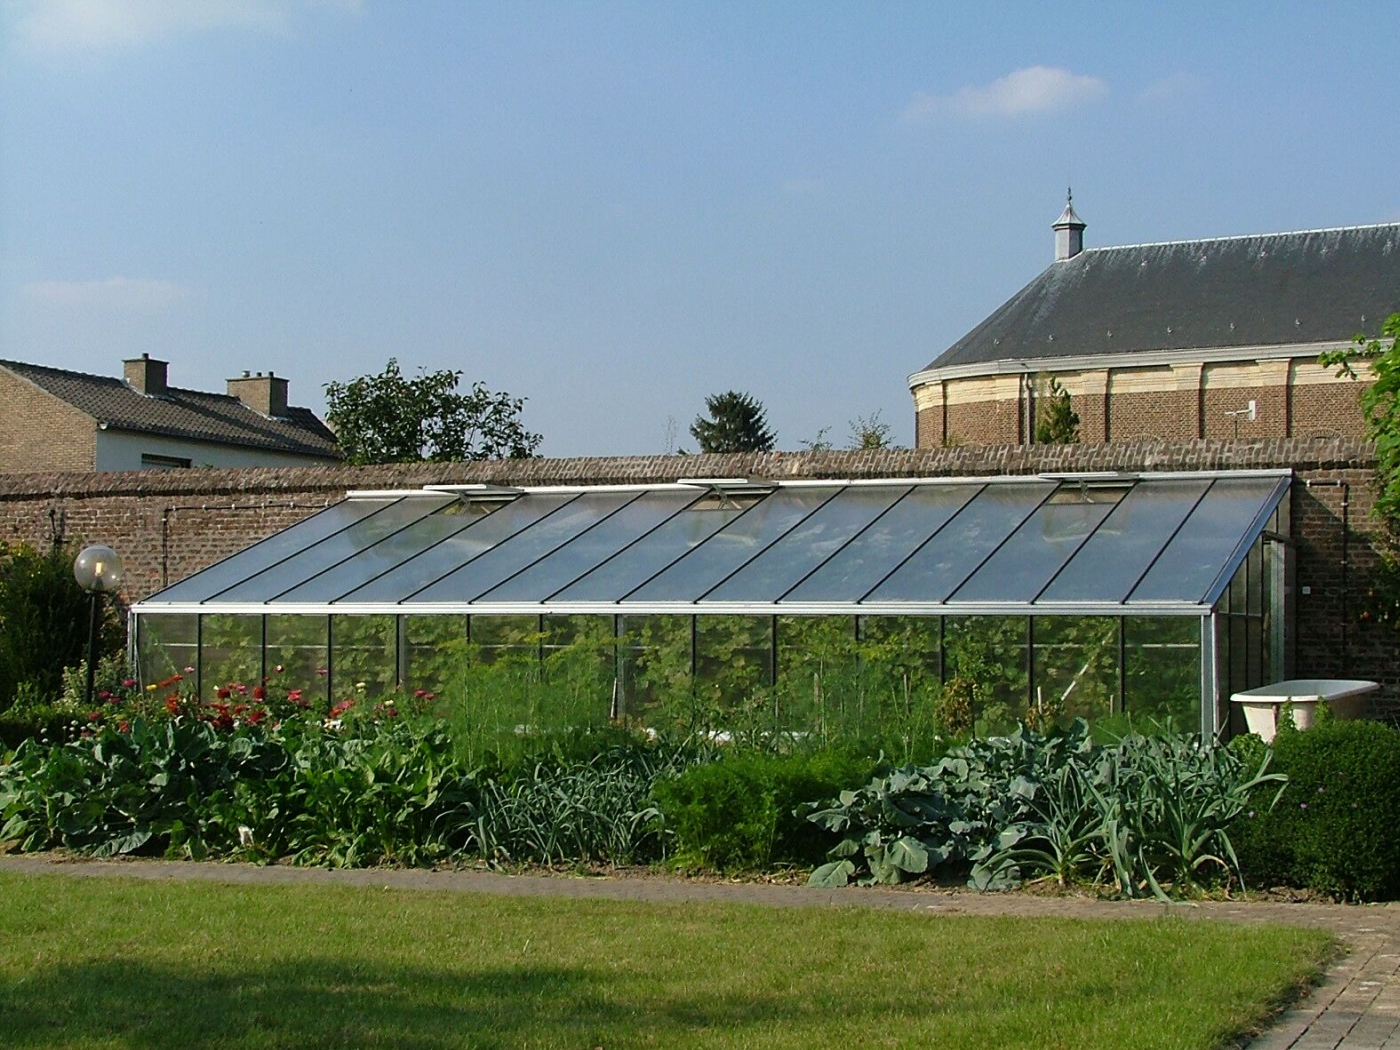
1153	596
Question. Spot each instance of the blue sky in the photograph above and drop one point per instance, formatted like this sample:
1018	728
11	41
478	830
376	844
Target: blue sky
615	209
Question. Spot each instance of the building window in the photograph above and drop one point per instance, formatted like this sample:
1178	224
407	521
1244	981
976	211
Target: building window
152	462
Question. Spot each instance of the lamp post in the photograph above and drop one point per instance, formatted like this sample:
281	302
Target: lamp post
97	569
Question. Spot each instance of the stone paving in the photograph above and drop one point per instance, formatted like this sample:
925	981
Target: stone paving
1356	1007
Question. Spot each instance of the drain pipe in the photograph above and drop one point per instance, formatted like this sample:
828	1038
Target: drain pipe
1345	487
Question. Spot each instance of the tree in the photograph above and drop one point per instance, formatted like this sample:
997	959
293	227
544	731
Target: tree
392	418
1056	421
736	424
869	432
1380	404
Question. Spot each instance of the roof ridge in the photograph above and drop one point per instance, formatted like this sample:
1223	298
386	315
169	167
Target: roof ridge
6	362
1240	237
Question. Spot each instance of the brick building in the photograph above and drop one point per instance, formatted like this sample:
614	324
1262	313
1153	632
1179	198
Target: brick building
58	420
1213	338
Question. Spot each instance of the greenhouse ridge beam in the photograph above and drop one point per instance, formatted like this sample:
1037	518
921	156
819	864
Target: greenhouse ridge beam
1162	544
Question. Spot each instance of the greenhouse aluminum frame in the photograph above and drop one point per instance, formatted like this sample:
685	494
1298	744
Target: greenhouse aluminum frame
1101	544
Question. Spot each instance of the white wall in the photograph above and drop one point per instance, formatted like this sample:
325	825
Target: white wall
122	450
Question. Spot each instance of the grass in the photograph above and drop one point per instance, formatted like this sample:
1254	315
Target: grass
134	964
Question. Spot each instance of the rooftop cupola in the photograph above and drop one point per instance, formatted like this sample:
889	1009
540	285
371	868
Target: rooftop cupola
1069	231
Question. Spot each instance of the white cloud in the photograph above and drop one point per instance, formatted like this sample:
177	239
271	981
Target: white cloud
71	25
114	293
1035	89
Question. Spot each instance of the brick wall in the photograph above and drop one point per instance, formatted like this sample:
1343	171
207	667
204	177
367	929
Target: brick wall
1166	414
1317	410
984	423
168	524
1296	398
40	432
1271	418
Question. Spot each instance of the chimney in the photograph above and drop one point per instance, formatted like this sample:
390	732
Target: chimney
1069	231
265	394
145	374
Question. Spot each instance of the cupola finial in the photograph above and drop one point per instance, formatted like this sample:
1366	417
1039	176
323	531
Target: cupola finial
1069	230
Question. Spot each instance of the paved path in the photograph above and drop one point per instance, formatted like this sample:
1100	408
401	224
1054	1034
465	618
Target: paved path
1357	1006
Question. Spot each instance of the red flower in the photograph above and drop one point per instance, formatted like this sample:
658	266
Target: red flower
340	708
128	683
222	692
172	704
242	689
294	696
123	727
259	693
255	716
104	695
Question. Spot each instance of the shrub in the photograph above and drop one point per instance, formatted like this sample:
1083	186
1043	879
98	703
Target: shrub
44	620
737	812
1333	829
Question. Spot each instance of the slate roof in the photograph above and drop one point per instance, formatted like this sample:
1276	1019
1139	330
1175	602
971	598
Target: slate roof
1265	290
191	414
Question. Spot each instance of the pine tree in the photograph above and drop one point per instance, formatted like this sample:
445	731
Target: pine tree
736	424
1057	423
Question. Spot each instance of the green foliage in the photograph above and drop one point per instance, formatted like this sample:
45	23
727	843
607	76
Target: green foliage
736	423
1380	405
1056	421
1144	813
43	722
341	793
1333	828
741	812
390	418
44	618
869	432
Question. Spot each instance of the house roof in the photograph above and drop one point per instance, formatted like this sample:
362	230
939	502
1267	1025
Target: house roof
1086	544
190	414
1315	286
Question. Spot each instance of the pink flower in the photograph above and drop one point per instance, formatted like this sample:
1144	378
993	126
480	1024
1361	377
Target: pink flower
128	683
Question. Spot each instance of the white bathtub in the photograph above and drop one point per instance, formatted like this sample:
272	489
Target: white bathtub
1262	706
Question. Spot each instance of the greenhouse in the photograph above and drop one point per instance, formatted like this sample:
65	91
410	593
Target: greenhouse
817	602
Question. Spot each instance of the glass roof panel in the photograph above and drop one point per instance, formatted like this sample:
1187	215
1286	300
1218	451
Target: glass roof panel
1202	548
728	549
527	546
391	551
652	553
1027	561
335	548
459	548
937	568
821	535
875	553
224	574
583	552
1106	568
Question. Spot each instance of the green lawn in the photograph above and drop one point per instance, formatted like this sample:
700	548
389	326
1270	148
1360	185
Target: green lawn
126	963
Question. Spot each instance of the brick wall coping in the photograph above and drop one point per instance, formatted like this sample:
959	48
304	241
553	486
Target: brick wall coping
1300	453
